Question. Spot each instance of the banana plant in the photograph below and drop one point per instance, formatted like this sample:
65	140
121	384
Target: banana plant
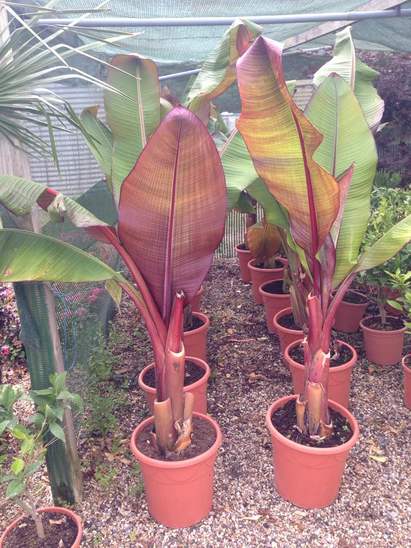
171	219
284	145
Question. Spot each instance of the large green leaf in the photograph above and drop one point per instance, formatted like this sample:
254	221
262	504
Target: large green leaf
20	195
347	139
387	246
99	140
358	75
133	116
218	70
172	208
27	256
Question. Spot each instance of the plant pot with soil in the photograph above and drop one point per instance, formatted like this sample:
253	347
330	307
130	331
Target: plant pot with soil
383	340
60	525
260	274
350	312
179	487
244	256
196	375
275	298
286	328
195	335
308	472
406	369
343	359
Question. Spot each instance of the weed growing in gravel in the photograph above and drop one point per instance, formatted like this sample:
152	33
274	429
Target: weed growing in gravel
105	475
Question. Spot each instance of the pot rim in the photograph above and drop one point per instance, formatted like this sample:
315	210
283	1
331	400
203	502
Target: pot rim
343	448
381	331
257	269
172	465
367	302
406	367
267	294
206	324
242	250
280	314
337	368
198	361
48	509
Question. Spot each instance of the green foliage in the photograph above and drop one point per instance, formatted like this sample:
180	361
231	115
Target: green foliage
29	436
401	285
105	475
387	179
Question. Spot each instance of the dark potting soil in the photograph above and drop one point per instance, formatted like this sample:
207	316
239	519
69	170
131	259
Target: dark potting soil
275	288
203	438
285	419
195	324
344	355
288	322
243	247
277	264
59	529
192	373
354	298
391	324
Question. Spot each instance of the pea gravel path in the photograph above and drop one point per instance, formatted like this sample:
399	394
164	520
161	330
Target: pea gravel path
373	508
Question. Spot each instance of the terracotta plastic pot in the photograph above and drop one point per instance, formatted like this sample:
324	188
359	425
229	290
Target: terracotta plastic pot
198	388
339	380
406	368
383	347
195	341
273	303
261	275
179	494
286	335
244	256
51	509
349	315
196	302
309	477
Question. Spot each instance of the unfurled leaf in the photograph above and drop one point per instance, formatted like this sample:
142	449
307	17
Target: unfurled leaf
347	142
98	139
134	116
114	291
19	195
172	208
14	488
57	431
264	241
281	142
17	466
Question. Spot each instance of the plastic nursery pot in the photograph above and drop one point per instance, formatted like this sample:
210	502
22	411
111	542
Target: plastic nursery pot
52	510
309	477
406	368
382	347
339	380
197	388
273	300
261	275
349	315
286	335
195	341
244	256
178	493
196	302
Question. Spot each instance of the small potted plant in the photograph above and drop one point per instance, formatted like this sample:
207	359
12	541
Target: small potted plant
247	206
28	440
351	311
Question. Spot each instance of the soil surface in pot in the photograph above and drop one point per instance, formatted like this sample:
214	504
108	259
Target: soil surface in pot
277	264
285	419
391	324
203	438
59	529
288	322
192	373
195	324
243	247
275	288
354	298
344	356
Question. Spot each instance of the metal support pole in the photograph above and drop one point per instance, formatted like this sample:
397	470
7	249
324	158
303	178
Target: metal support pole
212	21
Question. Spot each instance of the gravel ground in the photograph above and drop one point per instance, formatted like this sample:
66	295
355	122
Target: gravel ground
373	508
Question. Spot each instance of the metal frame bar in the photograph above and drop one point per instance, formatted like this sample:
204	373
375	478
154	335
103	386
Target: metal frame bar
212	21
